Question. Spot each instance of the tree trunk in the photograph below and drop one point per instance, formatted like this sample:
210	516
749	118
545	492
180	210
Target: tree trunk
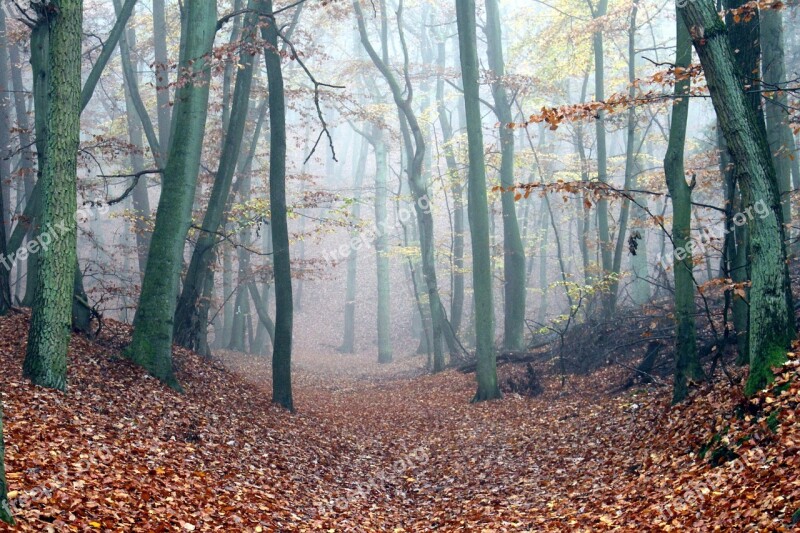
513	251
190	329
771	309
630	163
687	363
48	339
457	190
161	66
478	209
141	201
284	312
5	510
779	135
602	152
348	338
415	153
151	346
382	249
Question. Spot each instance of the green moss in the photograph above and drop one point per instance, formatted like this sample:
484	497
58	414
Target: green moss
773	421
761	369
721	455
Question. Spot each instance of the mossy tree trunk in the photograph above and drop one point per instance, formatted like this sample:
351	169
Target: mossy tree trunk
151	346
48	339
771	310
190	328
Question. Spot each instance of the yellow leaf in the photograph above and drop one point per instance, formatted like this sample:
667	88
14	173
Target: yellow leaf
95	525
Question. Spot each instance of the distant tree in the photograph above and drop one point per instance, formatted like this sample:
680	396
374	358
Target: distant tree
478	209
414	145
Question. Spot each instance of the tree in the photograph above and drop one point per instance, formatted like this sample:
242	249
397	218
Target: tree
284	309
151	346
348	338
771	310
781	141
382	248
457	190
190	331
513	251
141	201
414	143
48	339
478	209
598	12
687	363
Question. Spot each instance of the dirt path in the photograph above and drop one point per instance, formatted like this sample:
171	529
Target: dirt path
428	458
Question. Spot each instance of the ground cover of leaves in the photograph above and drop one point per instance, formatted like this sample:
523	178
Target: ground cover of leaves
386	448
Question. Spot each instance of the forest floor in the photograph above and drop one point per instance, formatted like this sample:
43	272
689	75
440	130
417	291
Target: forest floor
386	448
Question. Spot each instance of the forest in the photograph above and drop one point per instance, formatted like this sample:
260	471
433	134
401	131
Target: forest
399	265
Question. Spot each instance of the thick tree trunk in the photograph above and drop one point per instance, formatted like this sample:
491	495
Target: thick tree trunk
151	346
771	309
478	208
48	339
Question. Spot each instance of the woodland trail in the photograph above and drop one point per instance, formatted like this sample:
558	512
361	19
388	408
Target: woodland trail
373	448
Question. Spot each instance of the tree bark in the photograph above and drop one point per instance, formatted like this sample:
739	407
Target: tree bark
771	309
687	363
48	339
513	251
151	346
478	209
284	307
